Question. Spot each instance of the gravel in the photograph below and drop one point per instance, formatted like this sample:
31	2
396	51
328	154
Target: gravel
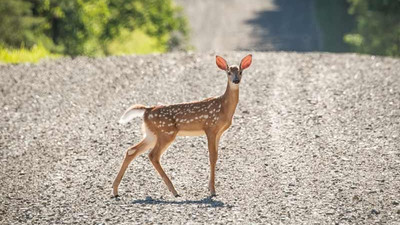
315	139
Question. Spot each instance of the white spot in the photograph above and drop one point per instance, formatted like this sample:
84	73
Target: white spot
151	116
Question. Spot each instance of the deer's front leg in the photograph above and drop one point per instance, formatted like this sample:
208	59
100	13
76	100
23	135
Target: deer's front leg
213	140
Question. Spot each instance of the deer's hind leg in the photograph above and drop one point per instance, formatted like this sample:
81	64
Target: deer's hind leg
155	155
132	152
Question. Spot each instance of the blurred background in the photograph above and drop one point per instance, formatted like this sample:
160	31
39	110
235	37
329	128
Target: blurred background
34	29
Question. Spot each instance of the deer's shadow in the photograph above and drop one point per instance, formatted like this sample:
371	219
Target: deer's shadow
206	202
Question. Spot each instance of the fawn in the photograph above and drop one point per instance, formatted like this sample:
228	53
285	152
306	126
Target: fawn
211	116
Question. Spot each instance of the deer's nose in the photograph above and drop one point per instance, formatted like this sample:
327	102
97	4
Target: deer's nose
236	81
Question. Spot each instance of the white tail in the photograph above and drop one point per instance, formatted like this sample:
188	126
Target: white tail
132	112
163	123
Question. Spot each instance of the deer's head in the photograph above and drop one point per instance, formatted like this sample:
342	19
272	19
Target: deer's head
234	72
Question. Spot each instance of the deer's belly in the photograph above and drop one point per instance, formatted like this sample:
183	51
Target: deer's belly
191	133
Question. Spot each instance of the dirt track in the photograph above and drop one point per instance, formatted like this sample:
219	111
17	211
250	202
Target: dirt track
315	138
262	25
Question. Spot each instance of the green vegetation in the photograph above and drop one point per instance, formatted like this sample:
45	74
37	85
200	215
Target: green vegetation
378	27
88	27
137	42
363	26
22	54
334	22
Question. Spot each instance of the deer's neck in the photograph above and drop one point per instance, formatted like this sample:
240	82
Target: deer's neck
230	99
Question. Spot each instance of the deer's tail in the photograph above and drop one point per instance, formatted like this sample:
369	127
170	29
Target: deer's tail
132	112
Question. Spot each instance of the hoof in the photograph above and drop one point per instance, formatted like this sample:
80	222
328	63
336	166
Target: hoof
177	195
115	191
115	197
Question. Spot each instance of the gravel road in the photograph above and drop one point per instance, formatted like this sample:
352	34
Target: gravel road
315	139
264	25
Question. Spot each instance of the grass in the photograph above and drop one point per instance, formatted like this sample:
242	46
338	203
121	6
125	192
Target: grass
136	42
33	55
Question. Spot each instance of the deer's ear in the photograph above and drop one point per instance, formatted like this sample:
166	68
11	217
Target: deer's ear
221	63
246	62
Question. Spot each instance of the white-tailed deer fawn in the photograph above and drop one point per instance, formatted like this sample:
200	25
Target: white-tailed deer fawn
162	124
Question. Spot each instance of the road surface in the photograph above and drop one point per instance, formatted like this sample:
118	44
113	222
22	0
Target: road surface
315	139
260	25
